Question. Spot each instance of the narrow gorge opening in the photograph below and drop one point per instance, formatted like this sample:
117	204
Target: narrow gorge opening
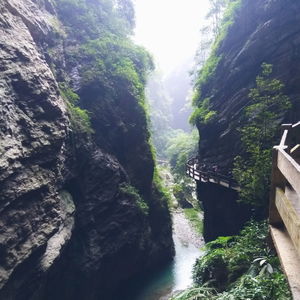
170	30
136	149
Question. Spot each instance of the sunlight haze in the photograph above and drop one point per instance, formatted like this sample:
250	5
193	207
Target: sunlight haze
169	29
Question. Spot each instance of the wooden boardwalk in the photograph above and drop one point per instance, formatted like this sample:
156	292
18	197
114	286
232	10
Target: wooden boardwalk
284	213
285	204
197	172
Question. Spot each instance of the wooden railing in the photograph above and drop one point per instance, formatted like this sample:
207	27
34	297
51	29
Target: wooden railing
197	172
285	204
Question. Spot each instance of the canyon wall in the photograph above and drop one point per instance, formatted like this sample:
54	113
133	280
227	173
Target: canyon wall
79	211
261	32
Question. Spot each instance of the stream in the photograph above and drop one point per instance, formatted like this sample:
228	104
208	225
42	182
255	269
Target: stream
177	275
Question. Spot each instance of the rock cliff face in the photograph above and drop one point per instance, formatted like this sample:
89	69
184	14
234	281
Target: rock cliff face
223	215
69	227
263	31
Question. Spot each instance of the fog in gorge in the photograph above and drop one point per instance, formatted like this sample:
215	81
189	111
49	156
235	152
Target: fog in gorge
171	31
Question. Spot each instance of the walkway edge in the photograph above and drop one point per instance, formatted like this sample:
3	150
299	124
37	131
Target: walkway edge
288	257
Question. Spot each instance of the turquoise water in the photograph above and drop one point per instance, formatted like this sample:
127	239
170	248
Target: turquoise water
175	276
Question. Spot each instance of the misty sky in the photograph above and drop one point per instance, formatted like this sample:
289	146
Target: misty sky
169	29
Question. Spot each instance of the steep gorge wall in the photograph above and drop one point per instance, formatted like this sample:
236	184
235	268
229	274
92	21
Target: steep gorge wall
222	214
263	31
69	227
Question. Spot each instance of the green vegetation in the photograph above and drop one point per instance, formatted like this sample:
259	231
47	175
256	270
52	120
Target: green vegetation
110	67
192	215
115	64
130	191
222	26
202	114
90	19
161	188
108	72
180	148
160	107
242	267
228	257
212	33
196	293
207	69
79	117
206	73
262	117
238	267
110	58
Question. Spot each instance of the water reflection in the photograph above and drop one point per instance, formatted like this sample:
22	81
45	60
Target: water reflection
175	276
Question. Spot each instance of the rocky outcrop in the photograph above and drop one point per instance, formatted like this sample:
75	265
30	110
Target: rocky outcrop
263	31
33	132
69	230
223	215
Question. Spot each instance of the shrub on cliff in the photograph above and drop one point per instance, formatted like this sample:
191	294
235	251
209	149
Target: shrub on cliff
133	194
116	64
180	148
98	33
104	67
240	268
205	72
89	19
203	113
262	117
79	117
228	257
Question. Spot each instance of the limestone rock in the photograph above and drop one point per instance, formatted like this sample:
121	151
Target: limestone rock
264	31
67	231
32	136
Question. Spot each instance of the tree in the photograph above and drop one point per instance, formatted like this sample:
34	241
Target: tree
263	115
215	14
220	12
125	10
181	147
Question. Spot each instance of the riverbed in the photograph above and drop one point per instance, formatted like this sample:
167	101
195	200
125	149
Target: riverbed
177	275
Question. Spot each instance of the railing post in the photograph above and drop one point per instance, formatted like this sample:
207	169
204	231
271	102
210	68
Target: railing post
278	180
287	137
194	171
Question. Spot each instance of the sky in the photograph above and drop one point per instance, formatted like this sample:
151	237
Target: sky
169	29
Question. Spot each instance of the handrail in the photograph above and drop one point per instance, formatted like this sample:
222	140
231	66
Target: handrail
197	172
284	215
283	139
